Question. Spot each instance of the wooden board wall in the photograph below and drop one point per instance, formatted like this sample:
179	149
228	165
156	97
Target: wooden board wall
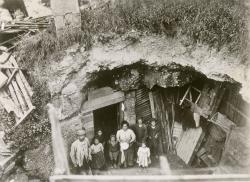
142	104
160	114
234	107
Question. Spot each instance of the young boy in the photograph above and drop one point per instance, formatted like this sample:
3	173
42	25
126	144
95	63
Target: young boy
80	153
114	149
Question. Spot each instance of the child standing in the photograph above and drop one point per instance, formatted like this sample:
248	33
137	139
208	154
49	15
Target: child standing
97	152
143	154
113	148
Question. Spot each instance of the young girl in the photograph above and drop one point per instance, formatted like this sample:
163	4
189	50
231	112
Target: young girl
100	136
97	152
113	148
143	154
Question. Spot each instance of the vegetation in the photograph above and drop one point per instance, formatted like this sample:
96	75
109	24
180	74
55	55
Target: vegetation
37	48
217	23
36	126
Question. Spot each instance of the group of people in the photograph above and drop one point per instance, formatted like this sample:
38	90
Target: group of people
129	145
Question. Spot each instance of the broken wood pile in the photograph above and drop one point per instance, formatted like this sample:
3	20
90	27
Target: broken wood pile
15	91
176	108
32	24
16	30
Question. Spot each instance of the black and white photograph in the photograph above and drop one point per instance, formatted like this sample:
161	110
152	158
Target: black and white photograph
124	90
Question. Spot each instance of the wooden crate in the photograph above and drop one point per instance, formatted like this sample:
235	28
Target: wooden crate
15	95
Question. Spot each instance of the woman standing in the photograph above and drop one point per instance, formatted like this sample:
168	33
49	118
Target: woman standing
126	138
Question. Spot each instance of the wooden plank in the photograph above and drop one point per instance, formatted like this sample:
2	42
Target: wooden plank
18	93
238	111
6	101
18	111
152	178
142	104
25	115
11	77
188	143
8	67
161	120
22	77
101	102
24	91
185	95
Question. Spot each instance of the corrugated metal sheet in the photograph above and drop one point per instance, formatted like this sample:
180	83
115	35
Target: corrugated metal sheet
142	104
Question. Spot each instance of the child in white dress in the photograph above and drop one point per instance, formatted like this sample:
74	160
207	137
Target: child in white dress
143	154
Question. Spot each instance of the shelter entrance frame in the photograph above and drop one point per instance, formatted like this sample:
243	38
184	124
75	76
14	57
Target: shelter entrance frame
97	103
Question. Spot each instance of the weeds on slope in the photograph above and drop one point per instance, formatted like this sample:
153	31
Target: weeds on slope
217	23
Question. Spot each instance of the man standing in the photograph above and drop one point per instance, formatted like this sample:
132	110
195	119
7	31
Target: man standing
140	132
80	153
154	138
126	137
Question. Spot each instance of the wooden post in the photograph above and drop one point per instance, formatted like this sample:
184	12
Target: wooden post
161	118
151	100
60	156
185	95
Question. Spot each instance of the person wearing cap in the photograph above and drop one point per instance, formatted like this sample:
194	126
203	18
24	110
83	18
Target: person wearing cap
80	153
126	137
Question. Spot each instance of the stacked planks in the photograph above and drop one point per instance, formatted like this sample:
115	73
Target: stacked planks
15	95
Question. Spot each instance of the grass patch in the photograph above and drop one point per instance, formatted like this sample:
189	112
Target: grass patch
217	23
37	48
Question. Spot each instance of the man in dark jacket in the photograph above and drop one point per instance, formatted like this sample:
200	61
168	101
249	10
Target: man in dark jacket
154	138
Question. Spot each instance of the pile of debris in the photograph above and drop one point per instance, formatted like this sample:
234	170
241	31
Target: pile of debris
17	29
192	126
30	24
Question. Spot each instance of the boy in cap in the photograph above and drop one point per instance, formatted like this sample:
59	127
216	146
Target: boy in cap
80	153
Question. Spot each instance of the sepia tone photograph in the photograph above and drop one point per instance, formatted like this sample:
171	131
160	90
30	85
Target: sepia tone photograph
124	90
